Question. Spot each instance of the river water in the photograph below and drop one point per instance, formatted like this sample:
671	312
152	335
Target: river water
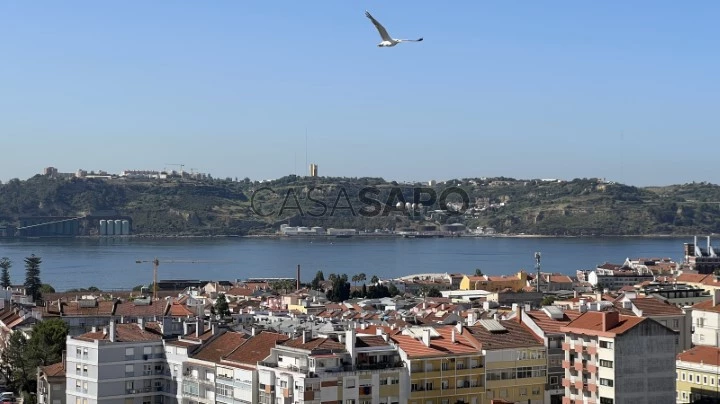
110	263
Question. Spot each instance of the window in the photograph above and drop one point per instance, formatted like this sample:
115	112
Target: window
524	372
712	381
85	370
606	382
147	350
605	400
704	379
129	369
78	352
676	324
78	369
535	390
428	386
349	401
697	379
129	351
523	391
606	344
503	393
350	383
85	387
129	385
682	376
605	363
554	379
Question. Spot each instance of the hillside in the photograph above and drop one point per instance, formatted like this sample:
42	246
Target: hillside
183	206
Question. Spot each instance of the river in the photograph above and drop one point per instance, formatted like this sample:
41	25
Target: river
110	263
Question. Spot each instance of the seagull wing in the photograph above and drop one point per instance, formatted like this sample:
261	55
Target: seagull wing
383	33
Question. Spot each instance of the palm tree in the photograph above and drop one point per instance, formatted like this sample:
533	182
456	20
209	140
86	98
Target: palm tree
361	277
355	279
374	280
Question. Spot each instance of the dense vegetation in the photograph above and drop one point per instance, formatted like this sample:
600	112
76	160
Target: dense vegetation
222	207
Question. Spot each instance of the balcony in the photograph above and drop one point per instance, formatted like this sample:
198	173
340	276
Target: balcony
566	346
579	384
592	349
578	347
566	364
592	368
591	387
578	365
566	382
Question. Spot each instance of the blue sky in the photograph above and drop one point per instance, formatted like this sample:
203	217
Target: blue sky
628	91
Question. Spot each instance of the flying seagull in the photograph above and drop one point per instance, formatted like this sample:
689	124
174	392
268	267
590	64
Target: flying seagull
387	40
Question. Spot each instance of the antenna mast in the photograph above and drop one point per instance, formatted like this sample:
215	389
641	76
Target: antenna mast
306	150
537	270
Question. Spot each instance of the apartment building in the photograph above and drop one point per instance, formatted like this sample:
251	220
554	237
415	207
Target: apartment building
122	363
354	369
201	379
698	375
706	321
616	359
443	364
51	383
237	380
515	361
546	324
669	315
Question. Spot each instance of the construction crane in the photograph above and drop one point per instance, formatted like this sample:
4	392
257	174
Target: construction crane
156	264
181	165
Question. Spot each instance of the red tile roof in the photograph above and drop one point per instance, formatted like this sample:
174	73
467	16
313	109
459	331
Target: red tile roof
591	323
220	347
154	309
124	333
516	336
707	305
54	370
549	325
707	355
651	306
440	346
314	344
256	348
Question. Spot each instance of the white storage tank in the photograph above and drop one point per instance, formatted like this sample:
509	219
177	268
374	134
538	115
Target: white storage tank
103	227
110	227
118	227
126	227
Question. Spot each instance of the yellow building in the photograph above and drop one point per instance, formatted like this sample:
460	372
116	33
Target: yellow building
698	374
493	360
444	365
494	283
515	361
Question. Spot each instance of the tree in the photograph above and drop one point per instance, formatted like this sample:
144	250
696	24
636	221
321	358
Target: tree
393	290
46	288
18	368
5	264
221	307
340	290
47	342
374	280
364	290
319	277
478	272
433	292
32	277
361	277
548	300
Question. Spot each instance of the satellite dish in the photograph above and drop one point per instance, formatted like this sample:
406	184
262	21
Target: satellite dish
399	205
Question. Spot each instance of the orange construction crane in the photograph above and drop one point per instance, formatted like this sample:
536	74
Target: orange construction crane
156	264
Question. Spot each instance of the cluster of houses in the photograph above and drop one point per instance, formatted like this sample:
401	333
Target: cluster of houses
649	336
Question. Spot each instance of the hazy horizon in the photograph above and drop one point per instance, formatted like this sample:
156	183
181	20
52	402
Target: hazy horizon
622	91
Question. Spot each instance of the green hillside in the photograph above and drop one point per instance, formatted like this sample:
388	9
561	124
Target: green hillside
183	206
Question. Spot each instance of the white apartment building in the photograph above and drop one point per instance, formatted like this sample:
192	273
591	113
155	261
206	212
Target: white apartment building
706	321
616	359
122	364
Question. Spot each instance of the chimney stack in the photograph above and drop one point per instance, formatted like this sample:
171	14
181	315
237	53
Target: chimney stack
716	296
610	319
111	331
298	278
426	337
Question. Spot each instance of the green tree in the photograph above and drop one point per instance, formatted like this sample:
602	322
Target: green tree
362	277
47	342
478	272
433	292
221	307
46	288
548	300
18	368
5	264
340	290
319	277
374	280
393	290
32	277
364	292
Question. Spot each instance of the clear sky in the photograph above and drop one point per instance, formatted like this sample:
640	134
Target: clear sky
625	90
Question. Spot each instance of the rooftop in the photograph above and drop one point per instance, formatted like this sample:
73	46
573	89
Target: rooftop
220	347
706	355
256	348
